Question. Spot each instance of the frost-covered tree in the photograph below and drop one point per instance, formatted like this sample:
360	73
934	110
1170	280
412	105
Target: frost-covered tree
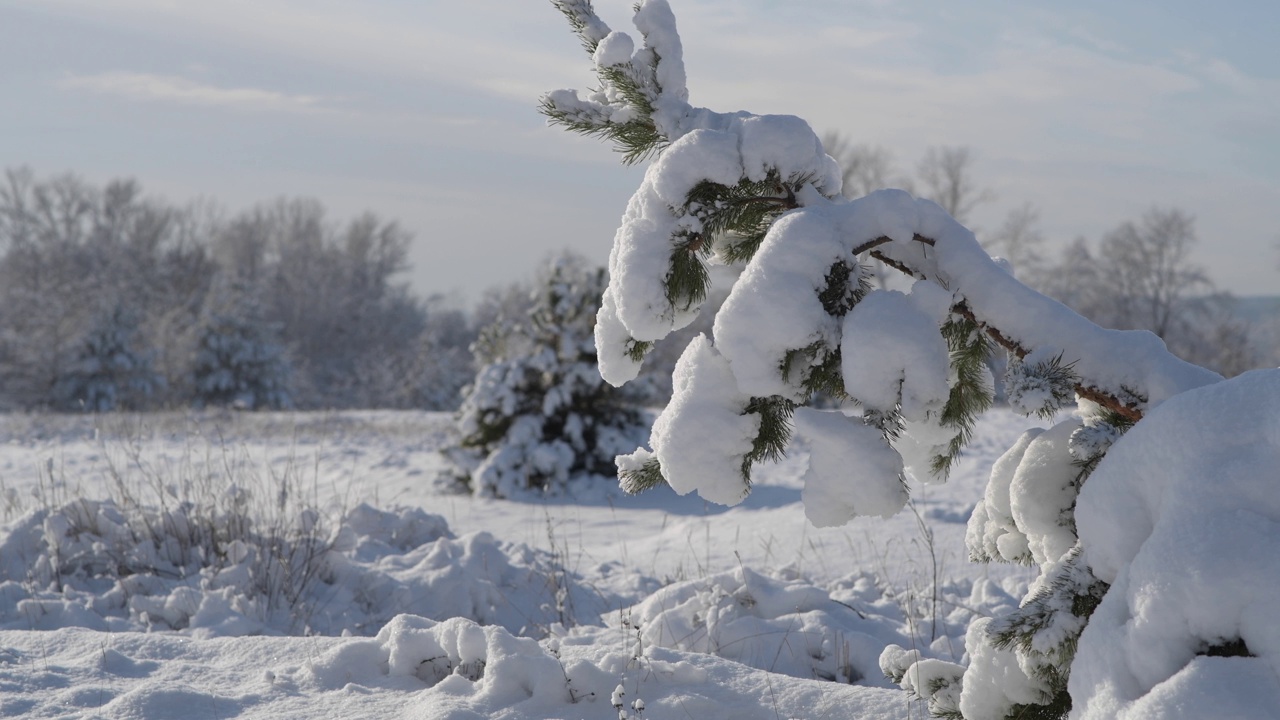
538	416
68	251
947	176
109	370
238	361
350	327
911	368
69	248
442	363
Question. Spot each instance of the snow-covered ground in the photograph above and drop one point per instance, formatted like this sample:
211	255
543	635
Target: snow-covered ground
355	587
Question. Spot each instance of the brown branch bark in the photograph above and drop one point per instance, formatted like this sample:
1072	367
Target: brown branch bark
1127	410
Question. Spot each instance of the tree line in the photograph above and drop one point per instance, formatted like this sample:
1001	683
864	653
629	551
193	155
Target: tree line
110	299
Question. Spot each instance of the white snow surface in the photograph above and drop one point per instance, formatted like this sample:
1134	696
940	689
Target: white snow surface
774	307
453	604
703	434
1182	517
893	356
852	469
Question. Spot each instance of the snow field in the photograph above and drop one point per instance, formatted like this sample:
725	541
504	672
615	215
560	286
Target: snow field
692	608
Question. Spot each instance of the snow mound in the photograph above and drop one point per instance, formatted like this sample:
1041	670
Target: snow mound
787	627
1182	517
456	657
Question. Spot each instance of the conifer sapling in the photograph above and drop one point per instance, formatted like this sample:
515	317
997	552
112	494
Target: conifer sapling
538	416
801	322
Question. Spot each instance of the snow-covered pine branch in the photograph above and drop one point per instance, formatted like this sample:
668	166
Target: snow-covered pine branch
801	322
760	189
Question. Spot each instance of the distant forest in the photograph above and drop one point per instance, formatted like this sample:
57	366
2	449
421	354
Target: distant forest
110	299
114	300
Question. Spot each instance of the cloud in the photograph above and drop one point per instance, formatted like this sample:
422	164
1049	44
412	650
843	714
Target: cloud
455	44
175	89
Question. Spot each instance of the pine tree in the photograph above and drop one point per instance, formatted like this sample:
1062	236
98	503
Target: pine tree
538	415
108	371
237	363
802	323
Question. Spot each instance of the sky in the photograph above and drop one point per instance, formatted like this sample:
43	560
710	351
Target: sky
424	111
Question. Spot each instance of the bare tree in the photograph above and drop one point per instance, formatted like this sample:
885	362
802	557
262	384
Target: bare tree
947	175
1148	269
1214	334
1020	241
864	168
1142	277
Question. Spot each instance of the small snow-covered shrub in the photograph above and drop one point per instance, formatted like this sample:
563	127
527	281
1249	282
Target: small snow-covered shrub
237	363
538	415
109	371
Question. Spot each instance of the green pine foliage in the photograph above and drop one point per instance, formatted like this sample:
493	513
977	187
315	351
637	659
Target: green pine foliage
628	92
740	215
1041	387
730	222
775	432
646	476
971	393
1045	631
817	367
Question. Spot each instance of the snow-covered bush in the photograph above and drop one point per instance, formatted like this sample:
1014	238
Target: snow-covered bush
237	362
912	371
538	415
109	371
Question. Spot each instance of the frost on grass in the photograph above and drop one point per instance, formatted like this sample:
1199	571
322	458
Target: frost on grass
98	565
